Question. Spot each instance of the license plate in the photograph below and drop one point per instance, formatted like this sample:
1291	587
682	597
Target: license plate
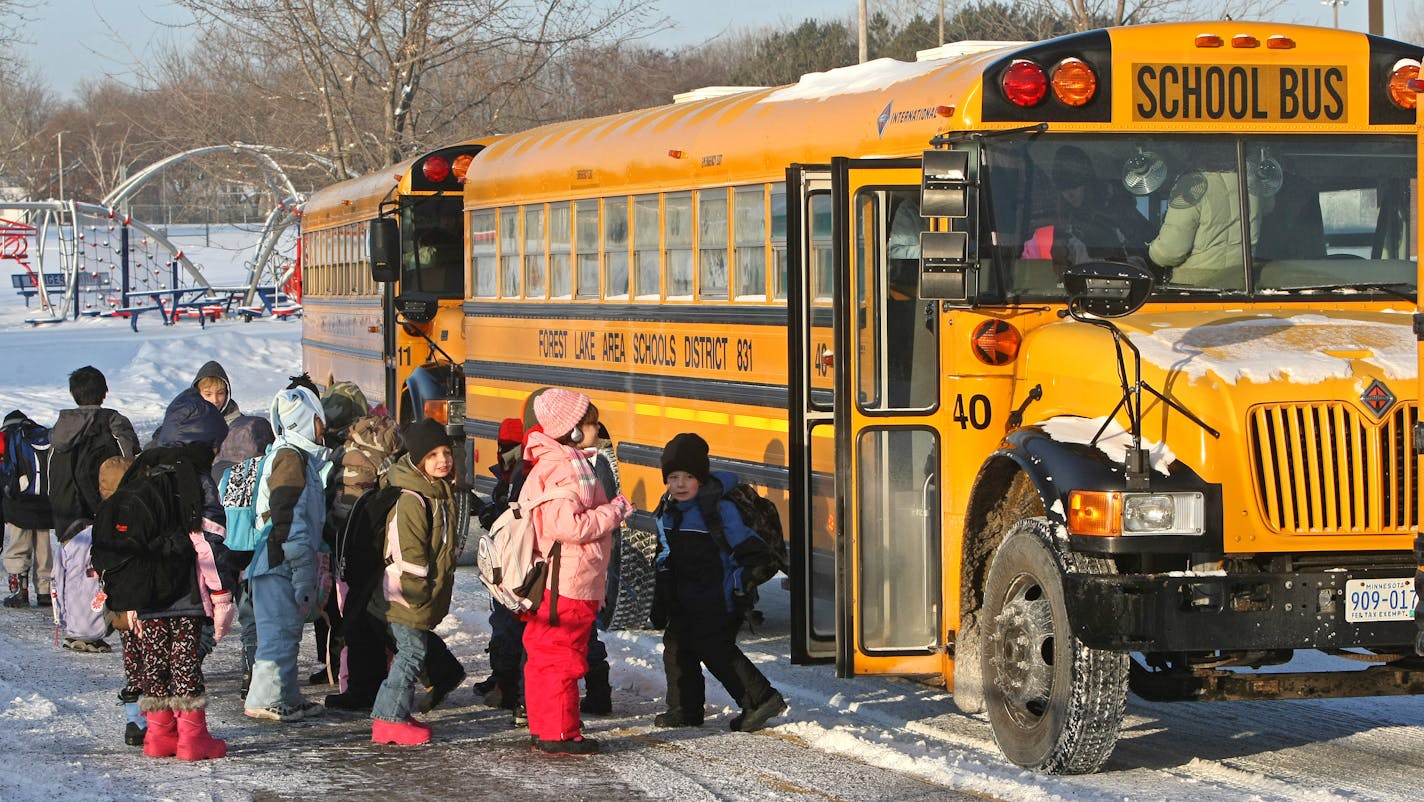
1379	600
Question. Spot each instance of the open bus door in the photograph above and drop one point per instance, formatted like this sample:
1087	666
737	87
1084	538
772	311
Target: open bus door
885	521
811	292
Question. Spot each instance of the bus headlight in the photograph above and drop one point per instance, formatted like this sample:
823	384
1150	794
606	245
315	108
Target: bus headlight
1117	514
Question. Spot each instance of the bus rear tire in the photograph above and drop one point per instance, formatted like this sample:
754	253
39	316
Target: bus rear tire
630	580
1054	705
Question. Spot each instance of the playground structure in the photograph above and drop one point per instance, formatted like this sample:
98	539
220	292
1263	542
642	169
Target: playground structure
109	264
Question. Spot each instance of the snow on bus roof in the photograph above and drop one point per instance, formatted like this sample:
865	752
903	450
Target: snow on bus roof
709	92
872	76
879	74
964	48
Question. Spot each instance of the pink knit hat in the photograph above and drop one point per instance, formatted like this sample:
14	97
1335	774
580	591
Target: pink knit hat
559	411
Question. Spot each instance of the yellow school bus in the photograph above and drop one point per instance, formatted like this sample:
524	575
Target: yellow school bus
1079	366
383	285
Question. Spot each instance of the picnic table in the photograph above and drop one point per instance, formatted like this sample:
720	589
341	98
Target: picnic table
174	304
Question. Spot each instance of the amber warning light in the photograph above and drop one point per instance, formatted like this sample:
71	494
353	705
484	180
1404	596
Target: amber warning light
461	166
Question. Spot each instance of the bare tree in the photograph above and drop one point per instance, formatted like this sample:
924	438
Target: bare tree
26	138
361	67
1084	15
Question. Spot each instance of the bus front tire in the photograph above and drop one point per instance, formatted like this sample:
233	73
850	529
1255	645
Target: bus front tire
1054	705
631	572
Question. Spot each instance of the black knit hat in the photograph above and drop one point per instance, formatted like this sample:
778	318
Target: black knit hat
424	437
687	452
15	416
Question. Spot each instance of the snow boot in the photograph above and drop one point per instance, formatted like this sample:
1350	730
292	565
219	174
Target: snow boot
756	717
249	656
19	591
597	693
505	694
568	746
439	689
136	725
194	740
677	717
400	733
161	738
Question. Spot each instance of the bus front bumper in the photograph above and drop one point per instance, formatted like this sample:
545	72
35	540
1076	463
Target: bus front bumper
1204	612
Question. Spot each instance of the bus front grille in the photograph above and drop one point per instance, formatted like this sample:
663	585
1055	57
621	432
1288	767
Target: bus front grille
1331	469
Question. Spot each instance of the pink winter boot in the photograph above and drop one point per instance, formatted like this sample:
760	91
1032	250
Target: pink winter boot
194	740
401	733
161	737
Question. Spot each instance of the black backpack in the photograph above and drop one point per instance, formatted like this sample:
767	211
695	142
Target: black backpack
24	475
74	471
358	558
141	545
760	516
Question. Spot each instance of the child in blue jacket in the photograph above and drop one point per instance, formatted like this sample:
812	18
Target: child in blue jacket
704	593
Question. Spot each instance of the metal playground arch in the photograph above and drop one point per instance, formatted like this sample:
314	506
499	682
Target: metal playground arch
61	289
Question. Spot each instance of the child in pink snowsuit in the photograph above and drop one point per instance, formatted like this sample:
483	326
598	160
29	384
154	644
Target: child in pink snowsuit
581	528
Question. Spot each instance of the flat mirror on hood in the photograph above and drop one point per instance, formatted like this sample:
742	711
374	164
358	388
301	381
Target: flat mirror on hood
1106	289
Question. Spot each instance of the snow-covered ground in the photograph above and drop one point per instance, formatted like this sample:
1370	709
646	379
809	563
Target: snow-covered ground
851	739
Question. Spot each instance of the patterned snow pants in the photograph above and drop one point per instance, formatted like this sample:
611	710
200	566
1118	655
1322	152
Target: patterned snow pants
171	665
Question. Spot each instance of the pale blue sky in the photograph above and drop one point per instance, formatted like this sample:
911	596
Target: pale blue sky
77	39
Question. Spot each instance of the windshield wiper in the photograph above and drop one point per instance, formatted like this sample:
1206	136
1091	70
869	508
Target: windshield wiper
1187	289
1399	289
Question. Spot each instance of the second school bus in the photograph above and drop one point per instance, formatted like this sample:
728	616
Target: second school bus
1137	412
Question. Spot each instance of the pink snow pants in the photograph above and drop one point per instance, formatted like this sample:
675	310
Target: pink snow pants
556	659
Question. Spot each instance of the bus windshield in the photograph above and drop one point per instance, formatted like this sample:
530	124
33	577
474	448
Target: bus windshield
432	248
1261	215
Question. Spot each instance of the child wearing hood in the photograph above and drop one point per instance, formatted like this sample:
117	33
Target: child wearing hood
577	535
709	593
174	691
291	512
419	576
212	383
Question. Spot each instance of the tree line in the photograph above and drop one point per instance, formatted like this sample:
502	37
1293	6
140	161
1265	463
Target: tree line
361	84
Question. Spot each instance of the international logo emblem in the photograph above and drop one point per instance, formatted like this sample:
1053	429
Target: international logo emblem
1378	398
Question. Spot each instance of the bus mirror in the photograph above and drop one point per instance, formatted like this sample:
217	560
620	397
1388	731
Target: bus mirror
1106	289
946	270
943	184
417	307
385	249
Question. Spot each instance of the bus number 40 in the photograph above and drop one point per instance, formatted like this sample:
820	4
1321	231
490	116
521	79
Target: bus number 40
976	413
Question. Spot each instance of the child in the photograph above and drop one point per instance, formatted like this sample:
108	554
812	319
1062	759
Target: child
372	446
419	575
174	690
212	383
506	647
80	441
283	573
76	599
248	436
708	597
556	633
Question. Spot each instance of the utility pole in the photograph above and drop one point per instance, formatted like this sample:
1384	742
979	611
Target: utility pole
59	157
1335	6
864	37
